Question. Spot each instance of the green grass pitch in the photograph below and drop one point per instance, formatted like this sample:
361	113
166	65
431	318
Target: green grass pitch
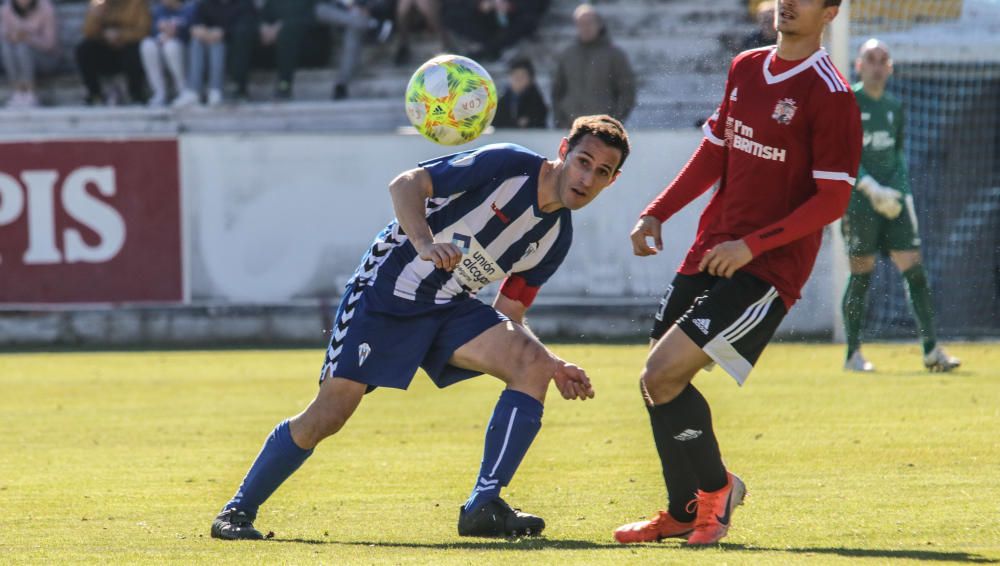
126	457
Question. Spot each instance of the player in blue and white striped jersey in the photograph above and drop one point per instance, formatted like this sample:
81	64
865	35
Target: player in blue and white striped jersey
500	212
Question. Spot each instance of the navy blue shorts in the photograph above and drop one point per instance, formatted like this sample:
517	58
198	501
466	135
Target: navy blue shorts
384	349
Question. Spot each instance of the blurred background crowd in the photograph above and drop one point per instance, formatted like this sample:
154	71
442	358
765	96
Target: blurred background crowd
181	53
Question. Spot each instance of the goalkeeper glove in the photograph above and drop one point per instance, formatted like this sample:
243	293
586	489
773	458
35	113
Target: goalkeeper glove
885	200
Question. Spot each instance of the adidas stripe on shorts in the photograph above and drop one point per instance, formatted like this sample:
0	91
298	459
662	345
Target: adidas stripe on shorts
732	320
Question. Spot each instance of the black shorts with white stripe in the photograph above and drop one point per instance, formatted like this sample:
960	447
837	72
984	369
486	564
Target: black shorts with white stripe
732	320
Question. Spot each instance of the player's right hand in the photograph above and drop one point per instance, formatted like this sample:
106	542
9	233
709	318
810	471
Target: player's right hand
572	382
647	227
444	255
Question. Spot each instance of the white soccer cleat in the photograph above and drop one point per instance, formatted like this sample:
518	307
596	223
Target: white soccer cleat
939	361
857	362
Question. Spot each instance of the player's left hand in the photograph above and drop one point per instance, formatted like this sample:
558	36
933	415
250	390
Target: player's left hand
572	382
724	259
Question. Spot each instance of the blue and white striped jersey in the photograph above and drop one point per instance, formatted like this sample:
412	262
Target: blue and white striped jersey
485	202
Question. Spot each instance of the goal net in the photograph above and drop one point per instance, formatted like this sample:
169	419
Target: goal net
946	55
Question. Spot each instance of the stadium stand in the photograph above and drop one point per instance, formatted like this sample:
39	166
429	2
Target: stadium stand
674	45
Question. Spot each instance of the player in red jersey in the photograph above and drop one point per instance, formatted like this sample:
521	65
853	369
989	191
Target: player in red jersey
785	145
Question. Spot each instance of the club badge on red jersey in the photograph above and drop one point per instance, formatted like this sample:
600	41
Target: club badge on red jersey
784	111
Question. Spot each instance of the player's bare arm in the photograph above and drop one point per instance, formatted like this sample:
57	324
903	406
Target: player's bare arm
410	191
570	379
647	227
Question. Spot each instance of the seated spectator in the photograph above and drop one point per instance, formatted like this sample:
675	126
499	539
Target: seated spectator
283	25
593	76
223	32
28	42
166	44
407	12
494	25
766	33
356	18
521	105
112	30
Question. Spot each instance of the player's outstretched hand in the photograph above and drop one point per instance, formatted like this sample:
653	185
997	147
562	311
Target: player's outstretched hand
572	382
445	255
647	227
724	259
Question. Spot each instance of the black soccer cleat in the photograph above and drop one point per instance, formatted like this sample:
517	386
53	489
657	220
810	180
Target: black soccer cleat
233	524
497	519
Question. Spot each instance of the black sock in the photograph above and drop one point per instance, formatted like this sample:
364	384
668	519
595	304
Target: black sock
690	421
682	483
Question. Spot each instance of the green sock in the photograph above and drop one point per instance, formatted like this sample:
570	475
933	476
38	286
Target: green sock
854	309
919	291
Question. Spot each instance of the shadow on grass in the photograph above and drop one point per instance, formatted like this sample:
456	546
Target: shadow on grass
570	544
902	554
501	544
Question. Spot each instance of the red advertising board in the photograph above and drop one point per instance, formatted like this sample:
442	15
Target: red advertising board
90	221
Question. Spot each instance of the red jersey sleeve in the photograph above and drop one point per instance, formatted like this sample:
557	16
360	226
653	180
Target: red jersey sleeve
836	137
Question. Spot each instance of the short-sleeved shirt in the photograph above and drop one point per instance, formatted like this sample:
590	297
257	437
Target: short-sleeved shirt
882	151
782	131
485	201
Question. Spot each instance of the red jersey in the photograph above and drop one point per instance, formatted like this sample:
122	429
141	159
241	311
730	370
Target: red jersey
781	133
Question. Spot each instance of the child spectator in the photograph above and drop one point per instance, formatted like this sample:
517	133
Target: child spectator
224	33
165	44
521	105
28	42
112	30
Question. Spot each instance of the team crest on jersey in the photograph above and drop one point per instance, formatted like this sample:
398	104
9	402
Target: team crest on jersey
462	241
363	350
532	247
784	111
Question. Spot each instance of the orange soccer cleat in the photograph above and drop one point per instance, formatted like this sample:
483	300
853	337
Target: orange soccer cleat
660	527
715	511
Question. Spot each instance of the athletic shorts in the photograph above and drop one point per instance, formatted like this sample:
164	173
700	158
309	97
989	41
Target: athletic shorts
731	320
382	349
867	232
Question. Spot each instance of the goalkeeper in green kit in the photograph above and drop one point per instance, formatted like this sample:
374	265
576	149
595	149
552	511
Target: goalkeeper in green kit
881	217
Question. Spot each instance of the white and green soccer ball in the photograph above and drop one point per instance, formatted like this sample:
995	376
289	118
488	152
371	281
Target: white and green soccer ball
451	99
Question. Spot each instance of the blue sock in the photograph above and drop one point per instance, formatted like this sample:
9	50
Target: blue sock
278	459
515	422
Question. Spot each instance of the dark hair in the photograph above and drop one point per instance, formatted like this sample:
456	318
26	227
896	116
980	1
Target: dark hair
521	63
828	3
604	128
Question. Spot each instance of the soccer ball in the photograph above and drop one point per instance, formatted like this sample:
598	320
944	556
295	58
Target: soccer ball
451	99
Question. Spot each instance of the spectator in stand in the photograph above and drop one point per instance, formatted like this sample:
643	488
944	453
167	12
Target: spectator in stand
521	105
494	25
766	33
224	33
593	76
356	18
112	30
166	44
284	24
28	42
430	12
